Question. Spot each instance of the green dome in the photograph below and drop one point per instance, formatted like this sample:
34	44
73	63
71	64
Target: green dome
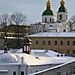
62	9
47	12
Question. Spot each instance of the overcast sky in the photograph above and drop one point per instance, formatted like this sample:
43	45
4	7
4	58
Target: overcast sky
34	8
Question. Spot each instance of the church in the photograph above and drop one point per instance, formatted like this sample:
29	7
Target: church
54	34
50	23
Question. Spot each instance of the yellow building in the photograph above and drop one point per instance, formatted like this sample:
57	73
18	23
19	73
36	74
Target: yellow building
63	42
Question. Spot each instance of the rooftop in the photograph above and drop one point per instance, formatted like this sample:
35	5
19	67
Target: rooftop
53	34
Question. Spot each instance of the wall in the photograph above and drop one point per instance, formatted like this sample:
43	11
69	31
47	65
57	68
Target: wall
66	69
67	49
13	68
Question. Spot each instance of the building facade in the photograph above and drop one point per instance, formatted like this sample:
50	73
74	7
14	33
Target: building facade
15	35
49	24
58	42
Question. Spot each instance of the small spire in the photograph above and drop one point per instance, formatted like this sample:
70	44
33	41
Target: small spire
62	2
48	4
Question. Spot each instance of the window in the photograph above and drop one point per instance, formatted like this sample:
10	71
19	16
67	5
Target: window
58	73
68	42
50	25
68	52
66	17
22	72
36	42
73	69
55	42
14	73
60	17
43	42
49	42
61	42
73	42
50	19
73	51
45	20
64	30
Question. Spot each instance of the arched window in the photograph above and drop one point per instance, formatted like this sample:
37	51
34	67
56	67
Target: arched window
66	17
45	20
50	19
64	30
22	72
60	17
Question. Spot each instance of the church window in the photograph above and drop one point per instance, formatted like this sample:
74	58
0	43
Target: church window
66	17
50	19
22	73
50	25
14	73
60	17
45	20
64	30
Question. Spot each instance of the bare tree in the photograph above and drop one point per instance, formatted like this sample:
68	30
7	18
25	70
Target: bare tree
73	19
4	19
17	18
72	23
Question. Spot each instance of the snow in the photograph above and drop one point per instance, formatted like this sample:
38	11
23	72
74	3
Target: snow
37	57
3	70
50	56
8	58
53	34
44	53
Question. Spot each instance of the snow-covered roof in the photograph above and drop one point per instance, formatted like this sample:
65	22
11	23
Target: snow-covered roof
53	34
42	57
39	23
8	58
37	57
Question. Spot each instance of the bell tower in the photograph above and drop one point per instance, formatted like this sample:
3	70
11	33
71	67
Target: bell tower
62	14
47	15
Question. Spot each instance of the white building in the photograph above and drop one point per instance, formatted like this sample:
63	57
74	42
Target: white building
20	63
49	24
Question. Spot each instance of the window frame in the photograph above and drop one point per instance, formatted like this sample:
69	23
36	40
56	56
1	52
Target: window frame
49	42
22	72
14	73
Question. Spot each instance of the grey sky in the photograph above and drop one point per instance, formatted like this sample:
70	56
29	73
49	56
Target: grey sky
33	8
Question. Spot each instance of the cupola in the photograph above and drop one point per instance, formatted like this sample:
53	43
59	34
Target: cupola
62	7
47	15
48	10
26	46
62	14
